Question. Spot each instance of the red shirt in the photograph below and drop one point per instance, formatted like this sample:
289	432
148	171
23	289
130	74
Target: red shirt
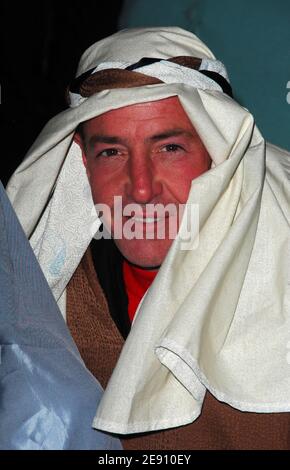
137	281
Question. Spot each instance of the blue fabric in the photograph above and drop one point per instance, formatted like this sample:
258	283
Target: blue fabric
48	398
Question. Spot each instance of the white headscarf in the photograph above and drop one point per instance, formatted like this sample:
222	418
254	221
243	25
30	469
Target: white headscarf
216	317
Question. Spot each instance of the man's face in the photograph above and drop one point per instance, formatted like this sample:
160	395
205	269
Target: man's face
148	154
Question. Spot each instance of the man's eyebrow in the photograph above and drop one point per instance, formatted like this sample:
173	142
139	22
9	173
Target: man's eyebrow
105	139
170	133
111	139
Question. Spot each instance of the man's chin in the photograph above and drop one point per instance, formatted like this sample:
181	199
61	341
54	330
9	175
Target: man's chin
147	254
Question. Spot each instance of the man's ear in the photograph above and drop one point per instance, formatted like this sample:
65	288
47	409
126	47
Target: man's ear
78	140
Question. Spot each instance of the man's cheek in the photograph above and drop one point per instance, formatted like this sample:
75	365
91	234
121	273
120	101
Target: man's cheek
181	189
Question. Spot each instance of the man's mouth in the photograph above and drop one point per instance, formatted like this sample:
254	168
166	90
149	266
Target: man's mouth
149	226
146	220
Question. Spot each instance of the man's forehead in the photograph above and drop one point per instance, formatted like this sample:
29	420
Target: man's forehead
144	106
168	112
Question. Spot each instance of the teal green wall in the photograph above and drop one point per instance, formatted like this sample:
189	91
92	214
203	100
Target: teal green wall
252	38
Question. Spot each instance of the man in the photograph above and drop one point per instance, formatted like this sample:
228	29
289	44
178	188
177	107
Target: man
152	126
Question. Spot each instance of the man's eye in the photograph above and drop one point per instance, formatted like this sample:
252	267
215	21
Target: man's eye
171	148
108	153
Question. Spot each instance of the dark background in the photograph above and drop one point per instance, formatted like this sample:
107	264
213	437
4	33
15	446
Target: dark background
41	45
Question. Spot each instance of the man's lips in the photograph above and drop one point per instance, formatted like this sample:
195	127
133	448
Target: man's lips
147	216
147	219
144	225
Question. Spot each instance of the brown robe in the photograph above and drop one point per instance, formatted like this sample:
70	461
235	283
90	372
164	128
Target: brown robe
219	426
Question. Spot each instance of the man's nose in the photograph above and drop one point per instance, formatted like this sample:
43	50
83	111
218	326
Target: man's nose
143	183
